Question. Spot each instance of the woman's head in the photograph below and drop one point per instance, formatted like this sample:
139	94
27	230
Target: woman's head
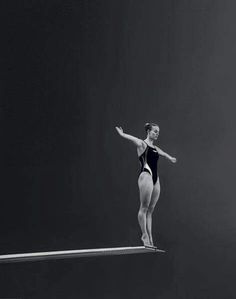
152	130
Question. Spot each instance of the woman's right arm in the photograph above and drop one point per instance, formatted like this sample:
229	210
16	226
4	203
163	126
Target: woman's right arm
138	142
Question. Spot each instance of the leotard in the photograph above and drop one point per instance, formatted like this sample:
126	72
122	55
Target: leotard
149	160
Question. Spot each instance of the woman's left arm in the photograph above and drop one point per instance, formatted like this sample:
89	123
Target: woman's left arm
162	153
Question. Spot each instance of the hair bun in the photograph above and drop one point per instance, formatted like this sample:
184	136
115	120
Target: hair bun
148	126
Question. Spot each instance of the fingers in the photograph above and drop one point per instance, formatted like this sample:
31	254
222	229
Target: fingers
119	130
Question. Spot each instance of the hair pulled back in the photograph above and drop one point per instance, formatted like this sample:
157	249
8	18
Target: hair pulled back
148	126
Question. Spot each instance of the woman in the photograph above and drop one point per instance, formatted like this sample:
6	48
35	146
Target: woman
148	181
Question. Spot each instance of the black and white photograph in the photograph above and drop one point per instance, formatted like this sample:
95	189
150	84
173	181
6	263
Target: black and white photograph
118	141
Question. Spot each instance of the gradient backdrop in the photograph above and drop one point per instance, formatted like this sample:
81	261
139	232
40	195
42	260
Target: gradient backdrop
70	72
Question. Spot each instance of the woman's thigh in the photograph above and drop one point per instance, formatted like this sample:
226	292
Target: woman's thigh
155	194
145	188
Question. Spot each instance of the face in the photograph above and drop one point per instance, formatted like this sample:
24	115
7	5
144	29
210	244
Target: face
154	132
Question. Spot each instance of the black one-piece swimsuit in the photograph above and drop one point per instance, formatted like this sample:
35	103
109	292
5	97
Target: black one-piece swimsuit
149	160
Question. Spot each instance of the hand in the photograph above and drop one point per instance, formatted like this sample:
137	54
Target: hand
120	131
173	160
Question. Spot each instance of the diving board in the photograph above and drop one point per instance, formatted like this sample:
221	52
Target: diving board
51	255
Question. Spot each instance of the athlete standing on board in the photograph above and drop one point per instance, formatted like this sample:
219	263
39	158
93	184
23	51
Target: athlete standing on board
148	181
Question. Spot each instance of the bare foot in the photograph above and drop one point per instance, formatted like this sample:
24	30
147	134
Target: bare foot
145	240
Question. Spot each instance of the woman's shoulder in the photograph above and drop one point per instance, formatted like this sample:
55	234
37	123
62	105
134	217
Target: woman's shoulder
143	143
158	149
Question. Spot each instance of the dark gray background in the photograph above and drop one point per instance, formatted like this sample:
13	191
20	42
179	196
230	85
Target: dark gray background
70	72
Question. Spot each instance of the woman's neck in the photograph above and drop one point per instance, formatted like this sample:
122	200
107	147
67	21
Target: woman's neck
149	141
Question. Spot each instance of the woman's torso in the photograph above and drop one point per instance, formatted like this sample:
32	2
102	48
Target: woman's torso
148	160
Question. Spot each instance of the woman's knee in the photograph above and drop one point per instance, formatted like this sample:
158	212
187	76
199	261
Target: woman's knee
143	209
150	209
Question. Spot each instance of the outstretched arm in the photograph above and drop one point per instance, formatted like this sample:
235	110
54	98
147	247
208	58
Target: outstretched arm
162	153
138	142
